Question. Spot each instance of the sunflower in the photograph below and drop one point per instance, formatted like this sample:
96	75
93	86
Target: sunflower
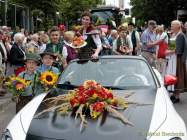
23	81
48	78
19	86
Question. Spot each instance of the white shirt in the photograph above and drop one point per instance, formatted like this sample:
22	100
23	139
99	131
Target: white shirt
96	39
137	35
163	36
129	42
42	48
4	49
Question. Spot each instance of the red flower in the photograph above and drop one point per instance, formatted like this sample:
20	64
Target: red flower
81	88
90	92
74	102
98	106
81	99
110	95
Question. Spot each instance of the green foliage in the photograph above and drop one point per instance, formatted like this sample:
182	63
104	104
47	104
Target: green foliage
126	20
69	10
163	11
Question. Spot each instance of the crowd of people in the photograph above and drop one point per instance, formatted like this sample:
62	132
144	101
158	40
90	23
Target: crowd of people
25	54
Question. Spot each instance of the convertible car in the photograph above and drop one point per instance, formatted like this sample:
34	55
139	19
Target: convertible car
155	120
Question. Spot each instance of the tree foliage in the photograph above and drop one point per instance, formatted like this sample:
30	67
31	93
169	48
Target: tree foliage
163	11
68	8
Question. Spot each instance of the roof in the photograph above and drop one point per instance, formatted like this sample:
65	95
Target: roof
105	8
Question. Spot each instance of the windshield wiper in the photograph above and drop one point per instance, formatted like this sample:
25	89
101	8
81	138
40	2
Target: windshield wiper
115	87
67	86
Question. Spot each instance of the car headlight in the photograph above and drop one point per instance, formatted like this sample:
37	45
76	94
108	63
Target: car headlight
175	138
6	135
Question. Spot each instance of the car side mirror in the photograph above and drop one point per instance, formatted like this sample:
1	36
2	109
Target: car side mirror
170	80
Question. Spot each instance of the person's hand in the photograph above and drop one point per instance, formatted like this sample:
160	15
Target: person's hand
104	46
170	52
95	56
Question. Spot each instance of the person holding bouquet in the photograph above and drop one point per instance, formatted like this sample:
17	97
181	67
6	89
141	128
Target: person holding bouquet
30	74
178	50
48	58
91	36
124	43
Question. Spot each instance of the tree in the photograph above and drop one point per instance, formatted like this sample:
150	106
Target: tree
163	11
69	10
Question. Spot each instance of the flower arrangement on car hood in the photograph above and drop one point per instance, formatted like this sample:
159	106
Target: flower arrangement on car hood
89	97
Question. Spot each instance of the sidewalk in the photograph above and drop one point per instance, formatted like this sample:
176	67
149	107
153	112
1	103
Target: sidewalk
182	106
5	101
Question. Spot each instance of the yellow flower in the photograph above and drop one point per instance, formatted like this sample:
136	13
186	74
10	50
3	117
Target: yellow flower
89	83
48	78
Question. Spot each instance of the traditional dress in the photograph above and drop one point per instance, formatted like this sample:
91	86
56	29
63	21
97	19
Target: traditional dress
176	63
124	42
69	53
93	42
181	71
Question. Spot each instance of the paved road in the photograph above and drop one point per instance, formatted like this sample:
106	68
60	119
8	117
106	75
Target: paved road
7	114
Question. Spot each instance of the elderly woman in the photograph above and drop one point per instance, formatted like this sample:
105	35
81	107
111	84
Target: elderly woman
17	54
43	39
33	46
180	51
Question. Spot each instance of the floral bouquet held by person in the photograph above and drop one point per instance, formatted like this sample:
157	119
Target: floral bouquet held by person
17	85
78	43
48	80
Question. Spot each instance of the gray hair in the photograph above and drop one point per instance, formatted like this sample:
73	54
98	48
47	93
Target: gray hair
35	37
114	32
18	37
177	22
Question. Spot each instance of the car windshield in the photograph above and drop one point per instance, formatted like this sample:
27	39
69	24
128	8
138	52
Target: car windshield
126	73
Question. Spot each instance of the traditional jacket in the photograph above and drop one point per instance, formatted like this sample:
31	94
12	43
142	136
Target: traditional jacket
71	52
43	68
55	48
32	89
87	51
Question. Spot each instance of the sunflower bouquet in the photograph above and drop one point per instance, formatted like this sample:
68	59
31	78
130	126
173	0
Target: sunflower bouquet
17	85
48	80
89	100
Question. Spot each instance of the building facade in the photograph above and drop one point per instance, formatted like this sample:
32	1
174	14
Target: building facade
13	15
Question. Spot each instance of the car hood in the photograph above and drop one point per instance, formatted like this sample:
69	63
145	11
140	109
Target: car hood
54	126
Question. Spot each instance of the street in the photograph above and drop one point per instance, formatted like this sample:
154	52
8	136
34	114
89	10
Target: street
7	114
181	107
